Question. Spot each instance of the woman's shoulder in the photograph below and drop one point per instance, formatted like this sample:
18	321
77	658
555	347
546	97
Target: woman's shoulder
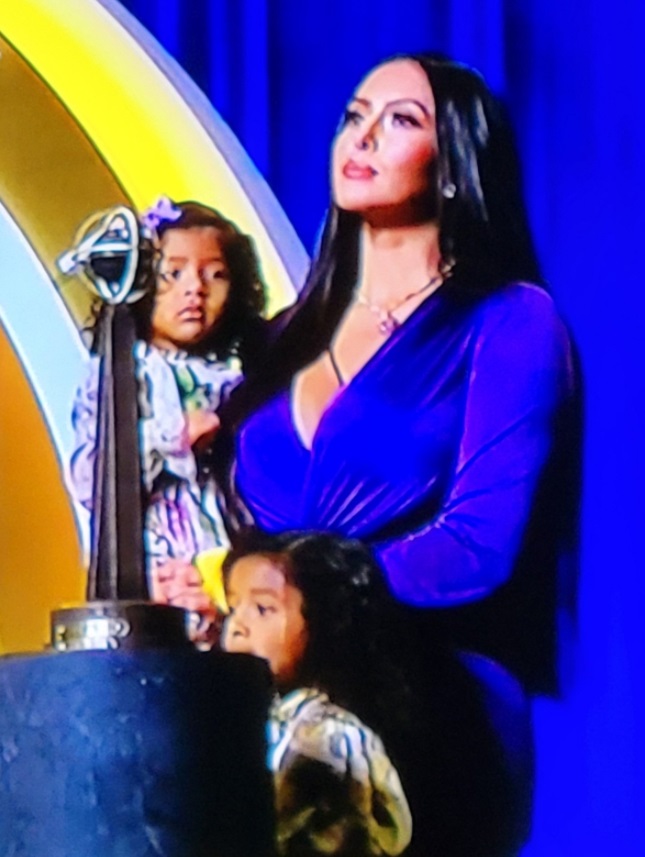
522	300
525	314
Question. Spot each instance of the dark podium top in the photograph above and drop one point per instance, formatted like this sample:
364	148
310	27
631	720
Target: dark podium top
152	753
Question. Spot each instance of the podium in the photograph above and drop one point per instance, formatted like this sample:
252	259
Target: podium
140	753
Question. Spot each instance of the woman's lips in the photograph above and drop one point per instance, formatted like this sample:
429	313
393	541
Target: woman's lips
352	170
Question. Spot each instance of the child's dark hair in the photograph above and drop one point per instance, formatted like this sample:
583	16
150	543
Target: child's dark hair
241	317
346	604
371	655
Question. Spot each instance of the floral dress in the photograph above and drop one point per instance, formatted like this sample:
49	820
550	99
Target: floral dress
182	517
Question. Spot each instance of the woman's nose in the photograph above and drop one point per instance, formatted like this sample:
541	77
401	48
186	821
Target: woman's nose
368	138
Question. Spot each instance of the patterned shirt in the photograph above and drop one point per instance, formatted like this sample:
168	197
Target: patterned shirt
337	792
182	518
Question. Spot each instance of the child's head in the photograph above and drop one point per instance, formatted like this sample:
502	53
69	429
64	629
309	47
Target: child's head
265	614
313	605
206	282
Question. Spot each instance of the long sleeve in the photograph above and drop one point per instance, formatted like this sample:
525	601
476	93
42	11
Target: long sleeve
520	375
182	518
336	789
84	424
162	426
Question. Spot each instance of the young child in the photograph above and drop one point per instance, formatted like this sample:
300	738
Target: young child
199	326
314	607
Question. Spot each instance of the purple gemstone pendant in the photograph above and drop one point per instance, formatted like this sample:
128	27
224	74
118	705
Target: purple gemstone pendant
387	325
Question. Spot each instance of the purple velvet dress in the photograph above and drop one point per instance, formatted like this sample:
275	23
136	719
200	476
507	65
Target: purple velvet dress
453	453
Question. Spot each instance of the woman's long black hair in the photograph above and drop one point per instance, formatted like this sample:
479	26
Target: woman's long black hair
372	656
484	235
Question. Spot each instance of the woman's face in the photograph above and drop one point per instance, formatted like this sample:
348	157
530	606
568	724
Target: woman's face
265	617
193	283
382	156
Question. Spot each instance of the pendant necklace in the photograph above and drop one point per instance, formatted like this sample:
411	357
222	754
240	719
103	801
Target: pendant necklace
386	322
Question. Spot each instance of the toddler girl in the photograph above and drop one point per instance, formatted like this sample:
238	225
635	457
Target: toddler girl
199	326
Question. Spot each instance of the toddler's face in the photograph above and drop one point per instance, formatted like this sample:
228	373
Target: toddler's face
192	287
265	616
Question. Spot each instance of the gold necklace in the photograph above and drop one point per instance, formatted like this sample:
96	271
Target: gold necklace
387	323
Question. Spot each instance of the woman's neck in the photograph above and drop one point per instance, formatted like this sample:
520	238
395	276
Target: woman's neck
395	260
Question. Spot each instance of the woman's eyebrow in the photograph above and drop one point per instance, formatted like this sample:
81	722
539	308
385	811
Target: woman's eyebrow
421	106
367	103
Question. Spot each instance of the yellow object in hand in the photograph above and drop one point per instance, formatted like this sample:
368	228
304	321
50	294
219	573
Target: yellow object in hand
209	566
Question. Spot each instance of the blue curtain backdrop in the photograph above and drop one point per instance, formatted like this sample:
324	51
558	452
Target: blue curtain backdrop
279	72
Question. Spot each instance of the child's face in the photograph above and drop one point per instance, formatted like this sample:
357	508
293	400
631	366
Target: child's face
192	287
265	616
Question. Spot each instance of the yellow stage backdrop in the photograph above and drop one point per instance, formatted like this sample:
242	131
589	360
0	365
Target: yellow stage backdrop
94	120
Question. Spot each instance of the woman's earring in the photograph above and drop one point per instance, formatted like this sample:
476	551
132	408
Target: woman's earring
448	190
446	267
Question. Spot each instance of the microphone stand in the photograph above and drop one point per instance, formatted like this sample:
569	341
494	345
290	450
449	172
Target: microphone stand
118	612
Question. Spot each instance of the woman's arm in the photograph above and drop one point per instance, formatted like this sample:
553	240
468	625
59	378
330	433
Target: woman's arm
521	379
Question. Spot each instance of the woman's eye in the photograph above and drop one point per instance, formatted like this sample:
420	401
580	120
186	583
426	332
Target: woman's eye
264	609
351	117
405	120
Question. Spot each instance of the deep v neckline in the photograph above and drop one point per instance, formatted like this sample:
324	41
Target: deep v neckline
293	418
386	346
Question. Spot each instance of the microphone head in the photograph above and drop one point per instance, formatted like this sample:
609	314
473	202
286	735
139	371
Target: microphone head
111	255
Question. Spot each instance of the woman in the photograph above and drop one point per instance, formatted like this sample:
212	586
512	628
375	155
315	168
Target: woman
420	395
